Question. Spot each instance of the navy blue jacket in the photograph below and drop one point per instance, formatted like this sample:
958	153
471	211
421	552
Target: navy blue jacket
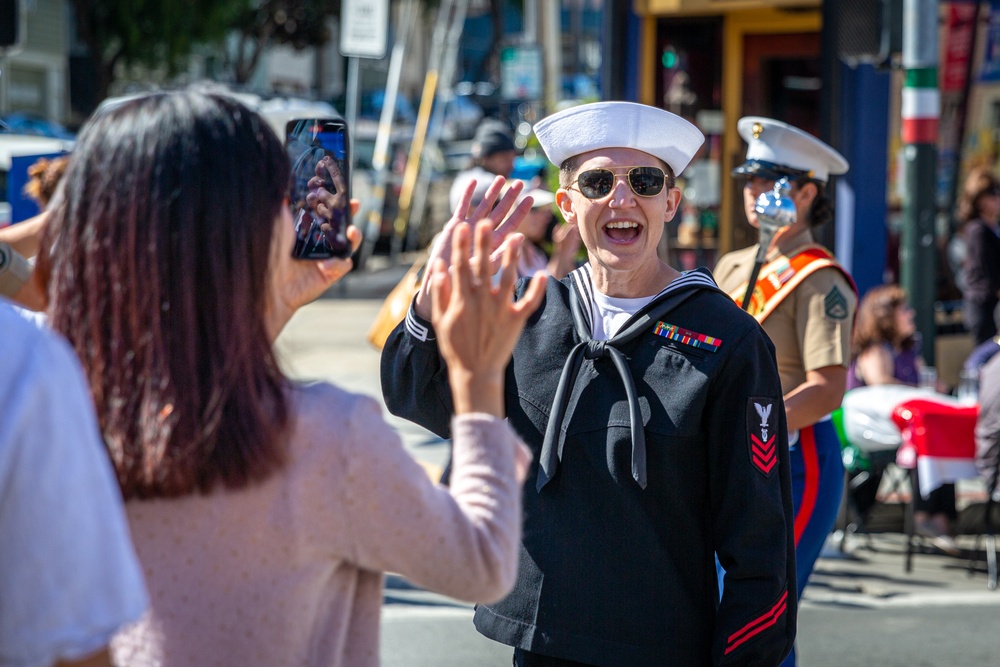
612	573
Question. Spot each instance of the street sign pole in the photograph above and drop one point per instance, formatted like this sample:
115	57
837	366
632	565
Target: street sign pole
364	33
921	109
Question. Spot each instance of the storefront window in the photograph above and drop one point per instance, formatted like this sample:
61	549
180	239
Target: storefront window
689	84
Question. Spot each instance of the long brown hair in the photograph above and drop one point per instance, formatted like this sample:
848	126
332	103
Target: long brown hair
979	182
158	275
876	320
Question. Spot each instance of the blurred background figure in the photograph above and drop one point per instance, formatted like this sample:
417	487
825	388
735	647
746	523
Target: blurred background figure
21	241
541	229
43	179
885	350
493	153
985	350
979	213
988	426
884	346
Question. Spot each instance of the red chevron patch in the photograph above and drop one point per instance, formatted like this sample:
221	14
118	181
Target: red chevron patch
763	454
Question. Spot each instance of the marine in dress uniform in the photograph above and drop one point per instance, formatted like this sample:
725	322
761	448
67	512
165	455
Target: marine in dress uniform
653	408
805	302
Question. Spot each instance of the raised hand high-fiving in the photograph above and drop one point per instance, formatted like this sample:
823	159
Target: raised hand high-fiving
505	217
477	321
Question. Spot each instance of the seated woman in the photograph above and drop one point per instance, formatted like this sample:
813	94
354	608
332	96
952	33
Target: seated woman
264	511
884	350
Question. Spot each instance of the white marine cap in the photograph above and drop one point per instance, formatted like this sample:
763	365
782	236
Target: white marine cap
776	149
598	125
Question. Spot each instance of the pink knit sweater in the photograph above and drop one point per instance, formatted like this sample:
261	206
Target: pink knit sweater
289	572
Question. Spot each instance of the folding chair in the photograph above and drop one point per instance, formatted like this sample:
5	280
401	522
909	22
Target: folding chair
865	462
940	435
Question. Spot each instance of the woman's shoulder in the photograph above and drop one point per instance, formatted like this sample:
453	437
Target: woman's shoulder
324	408
882	354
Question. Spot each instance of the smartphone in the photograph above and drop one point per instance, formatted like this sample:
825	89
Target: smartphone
320	147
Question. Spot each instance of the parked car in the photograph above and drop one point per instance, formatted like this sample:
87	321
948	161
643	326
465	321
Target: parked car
21	123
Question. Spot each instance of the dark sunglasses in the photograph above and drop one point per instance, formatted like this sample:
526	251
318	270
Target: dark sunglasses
644	181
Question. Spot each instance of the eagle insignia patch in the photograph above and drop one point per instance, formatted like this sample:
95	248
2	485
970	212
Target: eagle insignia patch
762	432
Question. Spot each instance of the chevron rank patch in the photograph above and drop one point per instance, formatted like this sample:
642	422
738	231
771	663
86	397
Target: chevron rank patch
762	433
835	305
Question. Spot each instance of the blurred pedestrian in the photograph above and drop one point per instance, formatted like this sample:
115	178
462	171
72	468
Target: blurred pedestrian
979	213
805	303
884	345
44	176
264	511
654	409
19	243
985	350
884	350
69	577
988	427
493	153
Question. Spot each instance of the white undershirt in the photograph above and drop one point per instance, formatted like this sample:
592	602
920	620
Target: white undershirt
610	313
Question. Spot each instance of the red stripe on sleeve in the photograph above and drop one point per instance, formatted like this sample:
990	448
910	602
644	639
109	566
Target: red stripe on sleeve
758	625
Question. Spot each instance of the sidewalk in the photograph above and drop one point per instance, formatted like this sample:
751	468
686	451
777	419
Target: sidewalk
871	574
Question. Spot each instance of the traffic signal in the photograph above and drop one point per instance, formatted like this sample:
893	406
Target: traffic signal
670	59
10	23
867	31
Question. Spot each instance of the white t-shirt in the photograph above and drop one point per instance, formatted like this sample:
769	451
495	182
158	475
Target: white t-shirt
69	577
610	313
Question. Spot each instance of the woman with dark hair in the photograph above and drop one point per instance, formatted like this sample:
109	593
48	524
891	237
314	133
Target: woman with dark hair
263	511
883	346
979	213
885	350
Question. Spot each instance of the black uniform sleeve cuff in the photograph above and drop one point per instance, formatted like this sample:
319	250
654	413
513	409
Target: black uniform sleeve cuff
417	326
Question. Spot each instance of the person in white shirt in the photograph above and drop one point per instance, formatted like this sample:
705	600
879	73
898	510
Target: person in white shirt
69	578
493	153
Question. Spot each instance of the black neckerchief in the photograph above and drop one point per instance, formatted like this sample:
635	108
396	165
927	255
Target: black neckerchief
672	296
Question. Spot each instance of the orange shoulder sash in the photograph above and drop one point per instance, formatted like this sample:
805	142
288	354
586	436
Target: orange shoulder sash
779	278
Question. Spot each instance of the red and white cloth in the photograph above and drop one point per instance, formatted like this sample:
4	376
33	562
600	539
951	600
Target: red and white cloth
938	439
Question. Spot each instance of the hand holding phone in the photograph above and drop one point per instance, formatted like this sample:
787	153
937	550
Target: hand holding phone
320	188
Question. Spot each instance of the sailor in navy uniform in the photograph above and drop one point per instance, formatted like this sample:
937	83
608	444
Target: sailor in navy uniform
653	407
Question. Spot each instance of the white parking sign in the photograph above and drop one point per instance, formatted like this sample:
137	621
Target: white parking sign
364	27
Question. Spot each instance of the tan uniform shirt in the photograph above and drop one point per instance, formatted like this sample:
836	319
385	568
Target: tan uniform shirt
811	327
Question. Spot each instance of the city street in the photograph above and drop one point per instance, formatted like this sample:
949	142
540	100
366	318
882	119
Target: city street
863	610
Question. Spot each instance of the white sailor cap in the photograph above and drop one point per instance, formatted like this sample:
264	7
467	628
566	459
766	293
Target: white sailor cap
598	125
776	149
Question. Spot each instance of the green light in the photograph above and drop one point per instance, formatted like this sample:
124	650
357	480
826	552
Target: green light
669	58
